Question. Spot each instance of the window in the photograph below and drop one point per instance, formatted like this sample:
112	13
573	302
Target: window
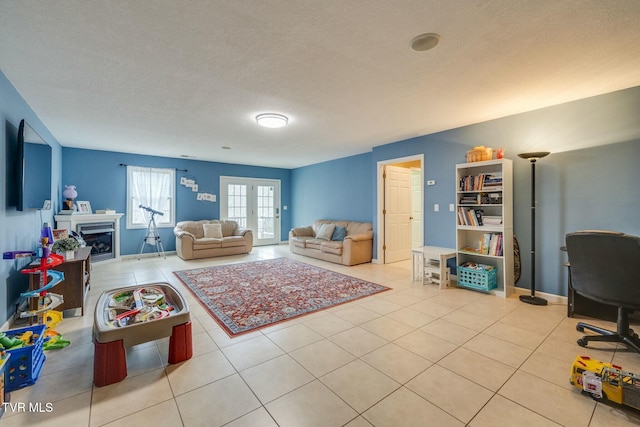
154	188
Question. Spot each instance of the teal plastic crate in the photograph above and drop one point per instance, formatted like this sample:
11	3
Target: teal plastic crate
478	279
25	363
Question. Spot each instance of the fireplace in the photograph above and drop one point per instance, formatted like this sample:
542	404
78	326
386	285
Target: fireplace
101	232
99	237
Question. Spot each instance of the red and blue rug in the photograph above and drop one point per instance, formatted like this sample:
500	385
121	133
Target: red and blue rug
247	296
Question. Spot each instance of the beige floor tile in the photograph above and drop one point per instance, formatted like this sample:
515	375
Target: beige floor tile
72	411
358	341
68	358
469	320
355	314
396	362
379	305
568	349
432	308
556	371
566	407
322	357
251	352
359	384
359	422
480	369
201	343
515	335
221	338
387	328
312	405
411	317
129	396
198	371
141	359
612	415
57	386
293	337
258	418
492	308
327	325
276	377
503	412
217	403
399	298
502	351
449	331
404	408
426	345
163	414
450	392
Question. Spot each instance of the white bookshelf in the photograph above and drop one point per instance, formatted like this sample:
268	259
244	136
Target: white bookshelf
494	201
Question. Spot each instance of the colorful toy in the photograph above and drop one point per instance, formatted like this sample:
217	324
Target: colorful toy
604	381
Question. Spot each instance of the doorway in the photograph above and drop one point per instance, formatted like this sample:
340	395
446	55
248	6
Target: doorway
253	204
400	208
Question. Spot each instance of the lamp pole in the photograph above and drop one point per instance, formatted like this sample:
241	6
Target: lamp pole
533	299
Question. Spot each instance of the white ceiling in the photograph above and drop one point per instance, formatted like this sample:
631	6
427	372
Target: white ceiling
187	77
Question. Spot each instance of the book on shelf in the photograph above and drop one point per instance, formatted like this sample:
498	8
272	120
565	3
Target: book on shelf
492	220
479	182
472	217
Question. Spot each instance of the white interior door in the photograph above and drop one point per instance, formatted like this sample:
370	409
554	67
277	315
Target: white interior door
416	209
397	207
254	204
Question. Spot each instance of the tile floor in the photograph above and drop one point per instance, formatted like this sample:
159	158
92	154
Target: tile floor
411	356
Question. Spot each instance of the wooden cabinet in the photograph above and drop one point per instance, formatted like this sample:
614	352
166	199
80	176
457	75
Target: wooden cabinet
484	230
74	287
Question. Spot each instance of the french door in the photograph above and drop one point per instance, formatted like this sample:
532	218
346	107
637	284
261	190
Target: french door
254	204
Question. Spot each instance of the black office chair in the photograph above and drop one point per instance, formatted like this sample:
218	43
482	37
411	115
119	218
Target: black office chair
605	267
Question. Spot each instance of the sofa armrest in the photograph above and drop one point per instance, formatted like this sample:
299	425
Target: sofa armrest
242	231
360	237
182	233
301	232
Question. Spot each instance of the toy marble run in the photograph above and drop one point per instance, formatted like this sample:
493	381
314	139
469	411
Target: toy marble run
46	300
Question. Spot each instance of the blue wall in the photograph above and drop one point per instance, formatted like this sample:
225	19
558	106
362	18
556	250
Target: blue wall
19	230
340	189
101	180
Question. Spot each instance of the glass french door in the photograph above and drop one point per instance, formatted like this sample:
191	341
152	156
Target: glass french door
254	204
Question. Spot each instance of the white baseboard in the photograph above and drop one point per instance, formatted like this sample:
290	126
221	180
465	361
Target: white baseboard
146	255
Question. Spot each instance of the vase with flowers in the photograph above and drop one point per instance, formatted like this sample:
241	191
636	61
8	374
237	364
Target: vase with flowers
66	247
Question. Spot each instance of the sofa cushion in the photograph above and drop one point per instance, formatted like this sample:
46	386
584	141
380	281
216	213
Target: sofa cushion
325	231
314	243
339	233
232	241
332	247
207	243
212	230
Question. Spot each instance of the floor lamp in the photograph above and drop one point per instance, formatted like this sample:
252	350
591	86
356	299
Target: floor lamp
533	299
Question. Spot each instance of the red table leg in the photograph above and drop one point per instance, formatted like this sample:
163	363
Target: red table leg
180	345
109	363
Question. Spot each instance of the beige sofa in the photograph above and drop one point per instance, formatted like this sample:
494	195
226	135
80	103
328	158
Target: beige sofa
191	242
323	242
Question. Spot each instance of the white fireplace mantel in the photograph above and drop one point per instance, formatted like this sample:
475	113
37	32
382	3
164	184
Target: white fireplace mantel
71	222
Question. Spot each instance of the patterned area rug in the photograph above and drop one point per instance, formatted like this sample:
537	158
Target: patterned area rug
250	295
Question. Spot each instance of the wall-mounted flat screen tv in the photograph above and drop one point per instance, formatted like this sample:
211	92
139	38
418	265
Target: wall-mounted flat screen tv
34	169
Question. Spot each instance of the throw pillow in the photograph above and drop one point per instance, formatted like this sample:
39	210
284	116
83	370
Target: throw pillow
325	231
339	234
213	230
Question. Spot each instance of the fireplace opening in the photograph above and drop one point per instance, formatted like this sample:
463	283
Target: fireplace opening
99	237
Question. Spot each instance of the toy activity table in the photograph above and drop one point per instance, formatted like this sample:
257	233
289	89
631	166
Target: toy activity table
133	315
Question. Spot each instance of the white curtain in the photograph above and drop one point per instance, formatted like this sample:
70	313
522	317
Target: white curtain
153	188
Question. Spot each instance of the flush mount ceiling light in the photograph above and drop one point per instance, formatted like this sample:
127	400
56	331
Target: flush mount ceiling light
272	120
425	41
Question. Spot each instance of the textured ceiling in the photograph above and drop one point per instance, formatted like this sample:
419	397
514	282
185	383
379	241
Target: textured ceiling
178	77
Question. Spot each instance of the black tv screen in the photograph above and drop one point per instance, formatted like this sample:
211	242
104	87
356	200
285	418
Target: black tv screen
34	169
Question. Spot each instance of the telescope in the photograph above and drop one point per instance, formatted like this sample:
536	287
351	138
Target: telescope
148	209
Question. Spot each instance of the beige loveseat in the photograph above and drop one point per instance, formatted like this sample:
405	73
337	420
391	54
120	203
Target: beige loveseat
192	243
322	240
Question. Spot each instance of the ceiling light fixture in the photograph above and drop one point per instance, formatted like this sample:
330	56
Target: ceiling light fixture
272	120
425	41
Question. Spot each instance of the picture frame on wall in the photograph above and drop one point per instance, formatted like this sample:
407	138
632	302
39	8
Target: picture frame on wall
84	207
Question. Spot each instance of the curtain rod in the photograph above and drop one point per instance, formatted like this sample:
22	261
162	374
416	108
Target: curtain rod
179	170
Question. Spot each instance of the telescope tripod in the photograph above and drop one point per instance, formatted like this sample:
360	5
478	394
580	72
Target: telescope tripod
152	238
